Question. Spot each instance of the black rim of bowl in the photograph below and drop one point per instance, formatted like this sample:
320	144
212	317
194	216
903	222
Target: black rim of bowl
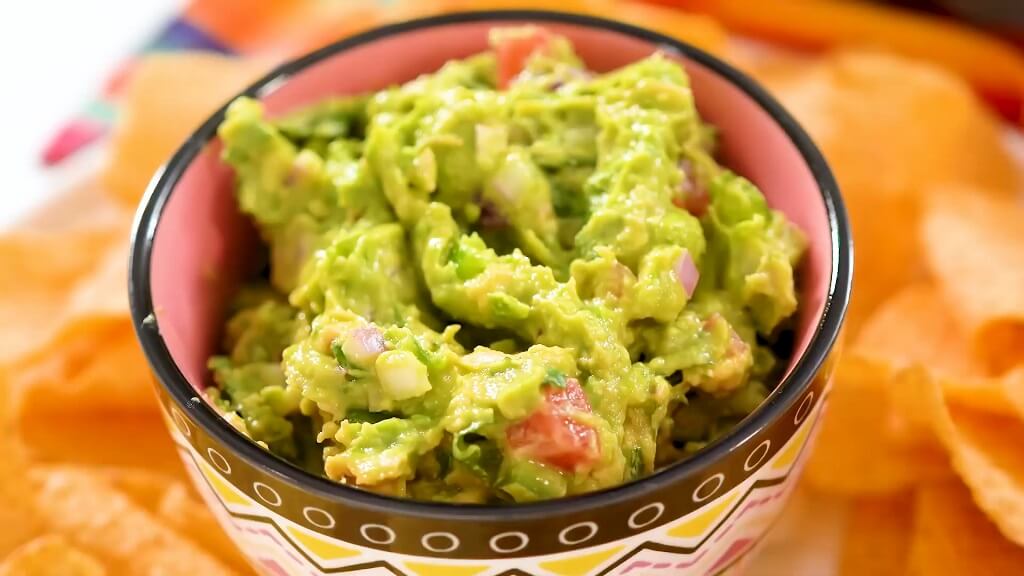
785	393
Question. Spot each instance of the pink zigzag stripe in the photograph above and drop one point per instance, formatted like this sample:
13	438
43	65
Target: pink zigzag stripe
271	535
274	568
643	564
750	505
736	549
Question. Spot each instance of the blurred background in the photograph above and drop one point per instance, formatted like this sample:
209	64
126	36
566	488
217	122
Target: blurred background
60	52
910	101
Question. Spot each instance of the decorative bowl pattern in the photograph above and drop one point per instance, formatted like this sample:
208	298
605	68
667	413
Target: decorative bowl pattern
700	516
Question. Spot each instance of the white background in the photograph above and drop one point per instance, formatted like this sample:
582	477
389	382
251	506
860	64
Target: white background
54	56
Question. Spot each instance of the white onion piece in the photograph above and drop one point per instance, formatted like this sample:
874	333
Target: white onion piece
363	345
401	375
687	273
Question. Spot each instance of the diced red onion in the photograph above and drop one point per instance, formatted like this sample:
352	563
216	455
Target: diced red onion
692	196
364	345
687	273
490	216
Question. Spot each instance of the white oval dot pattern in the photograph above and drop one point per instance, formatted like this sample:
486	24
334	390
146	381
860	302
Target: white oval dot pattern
804	409
577	533
269	496
319	517
440	542
709	487
377	534
218	461
646	516
505	542
509	542
181	423
757	455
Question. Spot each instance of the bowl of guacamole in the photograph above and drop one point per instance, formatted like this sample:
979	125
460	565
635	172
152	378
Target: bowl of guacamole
505	285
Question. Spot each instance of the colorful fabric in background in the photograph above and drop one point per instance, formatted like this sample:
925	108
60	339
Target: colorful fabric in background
234	27
96	118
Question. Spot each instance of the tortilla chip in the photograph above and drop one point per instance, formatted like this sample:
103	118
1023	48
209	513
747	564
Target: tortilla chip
39	273
877	536
51	555
180	509
242	24
170	95
97	518
701	31
145	487
868	444
98	370
976	251
173	501
18	522
102	440
891	129
696	29
952	537
316	24
916	327
1013	386
985	450
68	340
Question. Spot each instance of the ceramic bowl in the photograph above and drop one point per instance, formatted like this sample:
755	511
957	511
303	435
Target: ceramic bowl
700	516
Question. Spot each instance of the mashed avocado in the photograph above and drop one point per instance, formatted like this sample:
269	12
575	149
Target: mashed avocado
509	280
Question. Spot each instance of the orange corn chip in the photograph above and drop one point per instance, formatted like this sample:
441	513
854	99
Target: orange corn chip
869	444
406	9
877	536
18	522
242	23
83	377
985	450
99	519
952	537
976	251
180	510
917	327
317	24
891	128
1013	386
102	439
696	29
145	487
169	96
171	500
691	28
39	270
51	556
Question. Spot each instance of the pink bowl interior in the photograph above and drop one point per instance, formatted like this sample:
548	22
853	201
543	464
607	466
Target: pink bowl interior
200	246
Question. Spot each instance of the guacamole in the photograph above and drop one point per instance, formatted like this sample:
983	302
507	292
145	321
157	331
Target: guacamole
510	280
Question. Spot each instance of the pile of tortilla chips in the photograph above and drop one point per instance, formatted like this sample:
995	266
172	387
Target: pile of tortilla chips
924	432
925	421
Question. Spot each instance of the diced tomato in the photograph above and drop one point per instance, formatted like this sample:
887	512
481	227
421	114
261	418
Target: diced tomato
515	50
551	435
